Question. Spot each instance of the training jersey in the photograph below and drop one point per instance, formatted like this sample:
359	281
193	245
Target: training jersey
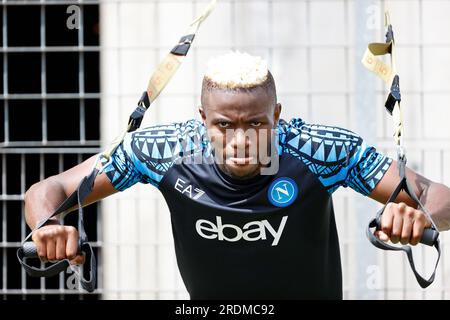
266	237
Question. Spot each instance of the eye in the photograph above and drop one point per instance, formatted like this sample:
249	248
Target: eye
223	124
255	123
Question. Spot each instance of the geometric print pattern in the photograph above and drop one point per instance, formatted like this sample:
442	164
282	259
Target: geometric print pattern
159	147
338	157
150	152
121	170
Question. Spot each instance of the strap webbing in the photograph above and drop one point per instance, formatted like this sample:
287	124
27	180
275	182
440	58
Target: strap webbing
159	79
388	74
375	224
75	199
164	72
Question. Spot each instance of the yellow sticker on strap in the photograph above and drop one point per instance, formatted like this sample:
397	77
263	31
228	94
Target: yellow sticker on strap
376	65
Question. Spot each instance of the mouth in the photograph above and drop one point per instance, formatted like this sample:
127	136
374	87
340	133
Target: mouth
240	161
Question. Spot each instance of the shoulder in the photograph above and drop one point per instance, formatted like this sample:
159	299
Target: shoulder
316	142
337	156
188	128
147	154
159	146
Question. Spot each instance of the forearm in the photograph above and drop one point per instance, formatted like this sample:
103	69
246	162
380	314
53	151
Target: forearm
42	199
436	199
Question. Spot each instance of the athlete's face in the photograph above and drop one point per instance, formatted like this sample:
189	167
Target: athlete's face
239	126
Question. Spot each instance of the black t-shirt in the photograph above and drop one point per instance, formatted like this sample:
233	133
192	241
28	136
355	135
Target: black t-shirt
270	236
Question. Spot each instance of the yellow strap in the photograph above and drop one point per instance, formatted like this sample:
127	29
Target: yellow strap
106	154
161	77
163	74
171	62
387	73
376	65
193	27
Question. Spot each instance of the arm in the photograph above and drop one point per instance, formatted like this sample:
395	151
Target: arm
402	221
55	242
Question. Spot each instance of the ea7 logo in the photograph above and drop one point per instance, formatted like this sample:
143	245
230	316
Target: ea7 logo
184	188
251	231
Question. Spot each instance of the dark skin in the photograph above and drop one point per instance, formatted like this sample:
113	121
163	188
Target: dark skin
255	109
53	241
239	112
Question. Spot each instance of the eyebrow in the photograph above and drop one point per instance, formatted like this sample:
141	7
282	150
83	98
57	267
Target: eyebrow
258	117
222	119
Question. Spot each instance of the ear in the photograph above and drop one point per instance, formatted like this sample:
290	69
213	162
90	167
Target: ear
202	113
276	113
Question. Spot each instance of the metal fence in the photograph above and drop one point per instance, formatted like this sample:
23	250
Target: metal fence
50	119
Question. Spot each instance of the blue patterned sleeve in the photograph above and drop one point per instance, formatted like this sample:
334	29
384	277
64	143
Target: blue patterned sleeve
338	157
365	169
147	154
121	169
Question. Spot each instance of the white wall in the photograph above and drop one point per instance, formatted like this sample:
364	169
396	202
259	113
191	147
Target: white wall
310	46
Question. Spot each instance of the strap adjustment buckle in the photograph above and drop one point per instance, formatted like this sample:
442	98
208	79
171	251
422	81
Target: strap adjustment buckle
394	95
401	161
138	114
182	48
389	34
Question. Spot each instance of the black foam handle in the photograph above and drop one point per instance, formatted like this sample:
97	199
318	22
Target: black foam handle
29	250
429	236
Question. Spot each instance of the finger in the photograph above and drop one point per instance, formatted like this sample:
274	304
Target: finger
79	259
420	224
71	247
408	220
60	248
51	250
382	236
427	222
396	228
387	219
41	248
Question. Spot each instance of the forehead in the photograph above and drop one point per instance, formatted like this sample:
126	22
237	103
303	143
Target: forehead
233	103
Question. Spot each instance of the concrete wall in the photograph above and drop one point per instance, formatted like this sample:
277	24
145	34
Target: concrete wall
313	49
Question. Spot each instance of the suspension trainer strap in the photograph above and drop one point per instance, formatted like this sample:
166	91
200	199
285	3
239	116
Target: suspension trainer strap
430	236
29	250
159	79
388	74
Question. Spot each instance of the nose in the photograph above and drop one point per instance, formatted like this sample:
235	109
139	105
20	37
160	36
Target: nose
240	140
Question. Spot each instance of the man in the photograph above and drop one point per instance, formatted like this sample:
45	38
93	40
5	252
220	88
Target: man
246	226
